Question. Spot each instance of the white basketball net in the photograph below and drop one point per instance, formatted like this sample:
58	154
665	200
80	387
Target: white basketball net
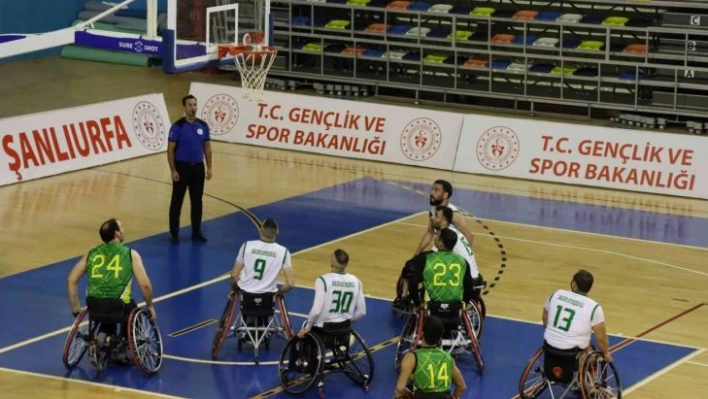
254	70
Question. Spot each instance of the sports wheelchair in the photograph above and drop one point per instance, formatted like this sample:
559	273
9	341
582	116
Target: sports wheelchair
577	372
255	324
459	335
143	338
335	347
476	309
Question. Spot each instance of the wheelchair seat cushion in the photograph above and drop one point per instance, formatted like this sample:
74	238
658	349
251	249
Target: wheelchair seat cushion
257	304
559	365
107	310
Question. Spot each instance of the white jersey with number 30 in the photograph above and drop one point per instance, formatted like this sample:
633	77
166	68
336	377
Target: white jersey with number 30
262	263
338	297
571	317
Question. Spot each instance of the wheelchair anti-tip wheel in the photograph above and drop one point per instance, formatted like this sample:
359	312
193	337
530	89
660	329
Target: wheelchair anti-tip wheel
144	341
301	364
76	343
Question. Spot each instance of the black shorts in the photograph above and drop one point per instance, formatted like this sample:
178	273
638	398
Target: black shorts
109	313
432	395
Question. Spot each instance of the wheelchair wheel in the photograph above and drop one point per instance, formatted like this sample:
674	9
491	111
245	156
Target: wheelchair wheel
476	315
222	330
482	307
144	341
76	343
533	380
598	378
359	364
408	340
476	348
301	364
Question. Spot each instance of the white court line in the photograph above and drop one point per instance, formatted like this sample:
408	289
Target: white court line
228	363
698	363
95	384
200	285
660	372
604	251
596	234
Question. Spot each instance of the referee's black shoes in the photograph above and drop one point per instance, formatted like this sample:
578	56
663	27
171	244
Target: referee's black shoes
199	237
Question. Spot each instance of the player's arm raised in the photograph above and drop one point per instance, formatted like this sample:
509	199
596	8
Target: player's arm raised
458	219
426	240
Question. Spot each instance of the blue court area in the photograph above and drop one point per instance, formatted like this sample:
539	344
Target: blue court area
36	304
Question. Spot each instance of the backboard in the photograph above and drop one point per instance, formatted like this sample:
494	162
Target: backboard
195	28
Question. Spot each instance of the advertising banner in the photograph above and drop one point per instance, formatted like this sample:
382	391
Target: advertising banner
45	144
329	126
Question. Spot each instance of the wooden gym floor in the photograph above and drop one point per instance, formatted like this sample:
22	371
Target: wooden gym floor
647	252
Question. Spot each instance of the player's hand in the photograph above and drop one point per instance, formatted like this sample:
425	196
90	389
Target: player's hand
75	311
280	294
303	332
231	295
175	176
208	174
608	357
153	313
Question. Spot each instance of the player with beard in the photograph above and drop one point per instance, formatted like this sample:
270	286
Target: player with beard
439	196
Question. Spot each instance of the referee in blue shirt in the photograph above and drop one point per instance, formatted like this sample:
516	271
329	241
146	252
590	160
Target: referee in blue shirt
189	144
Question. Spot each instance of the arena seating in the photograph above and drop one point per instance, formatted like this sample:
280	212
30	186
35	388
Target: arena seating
648	57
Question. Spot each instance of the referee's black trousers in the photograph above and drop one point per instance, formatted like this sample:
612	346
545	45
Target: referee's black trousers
191	176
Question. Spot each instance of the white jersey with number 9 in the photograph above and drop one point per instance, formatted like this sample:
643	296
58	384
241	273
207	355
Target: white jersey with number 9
262	263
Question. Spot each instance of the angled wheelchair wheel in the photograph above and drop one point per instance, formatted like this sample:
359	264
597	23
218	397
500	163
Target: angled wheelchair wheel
533	380
474	343
76	343
284	318
144	341
301	364
222	330
476	317
482	307
408	340
359	363
598	378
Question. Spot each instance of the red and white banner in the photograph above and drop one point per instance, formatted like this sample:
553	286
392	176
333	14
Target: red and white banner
45	144
645	161
329	126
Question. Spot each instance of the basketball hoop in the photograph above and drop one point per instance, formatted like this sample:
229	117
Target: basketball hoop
253	62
